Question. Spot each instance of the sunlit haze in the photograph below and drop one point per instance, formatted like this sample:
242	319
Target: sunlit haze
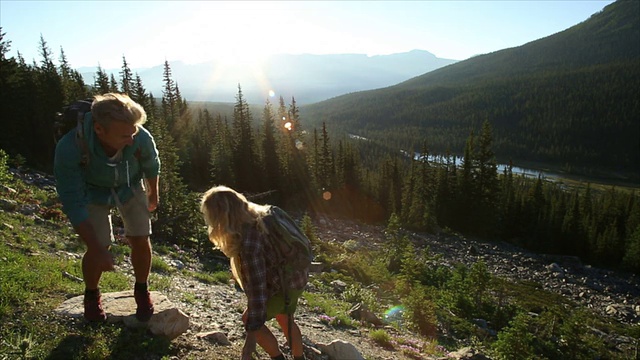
147	33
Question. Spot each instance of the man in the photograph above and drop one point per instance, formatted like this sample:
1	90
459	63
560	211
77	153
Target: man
121	170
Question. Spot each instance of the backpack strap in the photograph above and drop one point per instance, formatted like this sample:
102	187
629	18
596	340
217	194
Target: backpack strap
284	272
81	106
82	143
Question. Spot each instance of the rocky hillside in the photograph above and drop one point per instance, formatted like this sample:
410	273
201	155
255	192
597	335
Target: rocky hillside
216	308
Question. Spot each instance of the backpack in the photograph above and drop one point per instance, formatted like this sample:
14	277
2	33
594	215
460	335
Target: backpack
287	239
72	116
292	245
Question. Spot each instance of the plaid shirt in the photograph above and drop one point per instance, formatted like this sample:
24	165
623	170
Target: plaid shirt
260	271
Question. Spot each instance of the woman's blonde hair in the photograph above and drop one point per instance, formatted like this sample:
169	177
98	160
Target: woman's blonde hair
226	213
117	107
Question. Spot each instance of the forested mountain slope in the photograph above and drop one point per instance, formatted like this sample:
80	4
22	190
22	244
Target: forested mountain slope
569	100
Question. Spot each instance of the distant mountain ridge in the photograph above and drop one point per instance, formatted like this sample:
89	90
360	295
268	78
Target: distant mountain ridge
571	100
308	78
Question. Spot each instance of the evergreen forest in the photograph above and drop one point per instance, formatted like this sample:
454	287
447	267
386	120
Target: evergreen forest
277	156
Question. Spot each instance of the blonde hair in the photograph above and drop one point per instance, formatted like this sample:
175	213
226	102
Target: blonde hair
226	212
117	107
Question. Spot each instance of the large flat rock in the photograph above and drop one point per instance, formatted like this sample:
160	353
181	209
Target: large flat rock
167	319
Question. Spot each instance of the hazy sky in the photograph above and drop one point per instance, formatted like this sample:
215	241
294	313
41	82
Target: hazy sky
149	32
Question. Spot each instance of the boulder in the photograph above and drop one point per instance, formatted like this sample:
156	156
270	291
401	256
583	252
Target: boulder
339	286
467	353
360	312
340	350
215	337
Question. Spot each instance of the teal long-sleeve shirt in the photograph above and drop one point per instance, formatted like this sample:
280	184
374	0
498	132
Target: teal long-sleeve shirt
79	185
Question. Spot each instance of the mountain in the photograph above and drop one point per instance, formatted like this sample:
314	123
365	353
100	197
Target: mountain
570	100
309	78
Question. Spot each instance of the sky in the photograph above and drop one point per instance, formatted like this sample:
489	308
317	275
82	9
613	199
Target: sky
147	33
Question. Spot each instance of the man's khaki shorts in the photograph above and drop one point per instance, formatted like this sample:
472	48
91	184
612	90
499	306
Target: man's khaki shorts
135	216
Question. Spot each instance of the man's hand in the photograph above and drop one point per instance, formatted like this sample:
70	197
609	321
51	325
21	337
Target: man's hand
152	193
249	346
101	257
153	201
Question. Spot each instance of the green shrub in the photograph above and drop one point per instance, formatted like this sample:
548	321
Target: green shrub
218	277
575	338
355	294
159	265
365	267
381	337
516	340
420	310
306	225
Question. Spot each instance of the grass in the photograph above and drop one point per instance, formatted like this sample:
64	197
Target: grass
32	286
159	265
333	311
381	337
218	277
32	261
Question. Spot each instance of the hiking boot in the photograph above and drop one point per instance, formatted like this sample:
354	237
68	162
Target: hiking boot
145	305
93	311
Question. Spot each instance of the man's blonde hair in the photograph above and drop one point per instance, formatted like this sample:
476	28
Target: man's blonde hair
117	107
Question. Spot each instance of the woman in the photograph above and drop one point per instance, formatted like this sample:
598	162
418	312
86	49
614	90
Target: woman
237	228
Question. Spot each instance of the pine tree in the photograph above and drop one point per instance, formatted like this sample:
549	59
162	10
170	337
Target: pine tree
169	99
101	81
348	168
325	167
222	154
300	178
126	77
113	84
200	151
244	151
138	92
508	212
286	144
314	160
270	149
72	82
466	195
177	220
10	78
50	99
487	186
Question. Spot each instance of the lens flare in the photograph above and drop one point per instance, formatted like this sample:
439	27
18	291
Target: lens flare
288	125
326	195
394	315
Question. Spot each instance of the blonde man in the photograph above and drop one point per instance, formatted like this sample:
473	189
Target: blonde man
237	229
121	170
